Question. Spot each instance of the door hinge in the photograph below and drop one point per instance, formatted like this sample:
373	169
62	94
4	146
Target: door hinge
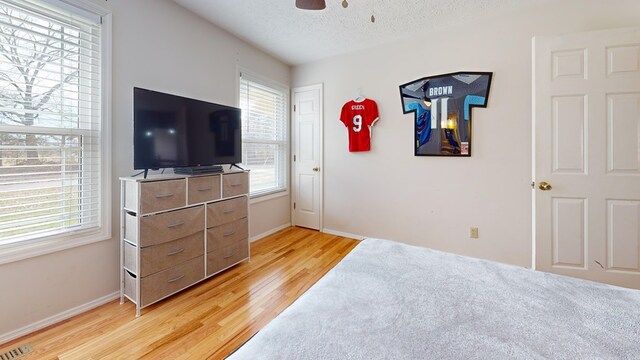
294	108
294	206
294	158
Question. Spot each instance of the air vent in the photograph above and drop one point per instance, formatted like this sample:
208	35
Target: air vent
17	352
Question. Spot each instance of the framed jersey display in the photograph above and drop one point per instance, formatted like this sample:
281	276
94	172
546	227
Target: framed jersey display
359	116
441	106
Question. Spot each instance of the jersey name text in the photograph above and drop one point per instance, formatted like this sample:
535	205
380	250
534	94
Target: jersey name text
441	90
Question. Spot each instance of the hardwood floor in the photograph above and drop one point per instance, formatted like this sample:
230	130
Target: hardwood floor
207	321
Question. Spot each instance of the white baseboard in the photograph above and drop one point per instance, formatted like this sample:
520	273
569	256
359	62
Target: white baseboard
57	318
267	233
343	234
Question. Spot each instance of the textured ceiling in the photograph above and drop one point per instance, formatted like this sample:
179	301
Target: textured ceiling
302	36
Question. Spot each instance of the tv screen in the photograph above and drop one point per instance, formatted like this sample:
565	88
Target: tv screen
172	131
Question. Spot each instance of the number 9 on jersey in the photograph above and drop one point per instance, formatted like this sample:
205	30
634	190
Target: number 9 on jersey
357	123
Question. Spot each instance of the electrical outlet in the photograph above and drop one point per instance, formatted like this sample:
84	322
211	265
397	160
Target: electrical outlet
473	232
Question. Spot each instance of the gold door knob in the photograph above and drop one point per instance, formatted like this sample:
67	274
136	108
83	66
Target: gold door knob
544	186
316	169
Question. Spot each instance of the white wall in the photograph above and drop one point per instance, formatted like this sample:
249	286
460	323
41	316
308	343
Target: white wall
156	45
432	201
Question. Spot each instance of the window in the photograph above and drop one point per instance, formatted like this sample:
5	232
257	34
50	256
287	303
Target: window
264	134
52	164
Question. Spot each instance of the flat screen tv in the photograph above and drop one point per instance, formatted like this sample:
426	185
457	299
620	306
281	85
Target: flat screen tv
172	131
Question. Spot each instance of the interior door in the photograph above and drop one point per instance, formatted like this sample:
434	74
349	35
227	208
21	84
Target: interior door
307	157
587	155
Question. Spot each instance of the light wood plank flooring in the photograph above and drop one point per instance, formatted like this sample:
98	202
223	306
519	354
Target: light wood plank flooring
207	321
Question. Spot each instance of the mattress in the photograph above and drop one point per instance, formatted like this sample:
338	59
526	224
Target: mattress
387	300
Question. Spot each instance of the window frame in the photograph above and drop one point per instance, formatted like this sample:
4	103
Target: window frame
46	244
281	191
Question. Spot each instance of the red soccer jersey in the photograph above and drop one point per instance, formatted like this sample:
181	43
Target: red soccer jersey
359	118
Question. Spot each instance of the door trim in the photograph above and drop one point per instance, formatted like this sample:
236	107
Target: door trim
533	155
293	142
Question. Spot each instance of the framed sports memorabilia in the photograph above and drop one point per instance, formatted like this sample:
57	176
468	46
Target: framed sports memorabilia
442	108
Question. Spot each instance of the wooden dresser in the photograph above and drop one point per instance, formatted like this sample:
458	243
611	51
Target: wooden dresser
178	230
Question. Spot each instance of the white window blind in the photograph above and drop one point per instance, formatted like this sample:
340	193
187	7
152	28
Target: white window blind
264	134
50	121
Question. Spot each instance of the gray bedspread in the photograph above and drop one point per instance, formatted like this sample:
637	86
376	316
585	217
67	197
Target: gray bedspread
387	300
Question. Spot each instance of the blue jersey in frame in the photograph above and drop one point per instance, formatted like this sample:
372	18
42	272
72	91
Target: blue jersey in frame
442	110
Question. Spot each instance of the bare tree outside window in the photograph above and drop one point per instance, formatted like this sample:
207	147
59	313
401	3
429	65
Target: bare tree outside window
45	70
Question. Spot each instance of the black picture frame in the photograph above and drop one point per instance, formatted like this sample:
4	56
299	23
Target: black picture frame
448	133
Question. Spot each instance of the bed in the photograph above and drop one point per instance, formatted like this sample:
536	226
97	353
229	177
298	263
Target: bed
387	300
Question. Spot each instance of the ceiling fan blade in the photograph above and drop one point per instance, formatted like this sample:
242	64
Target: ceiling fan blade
311	4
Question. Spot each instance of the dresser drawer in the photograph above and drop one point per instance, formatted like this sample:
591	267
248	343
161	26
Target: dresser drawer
220	259
226	211
161	228
203	188
131	195
131	227
162	195
129	285
227	234
155	287
235	184
160	257
130	260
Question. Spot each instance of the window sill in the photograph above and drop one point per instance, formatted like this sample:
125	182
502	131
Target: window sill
269	196
28	249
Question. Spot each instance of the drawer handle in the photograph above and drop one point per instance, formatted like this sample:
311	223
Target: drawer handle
235	185
175	224
228	233
230	255
160	196
229	211
175	252
205	189
175	279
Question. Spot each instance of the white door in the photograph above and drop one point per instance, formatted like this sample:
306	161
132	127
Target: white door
307	157
587	148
